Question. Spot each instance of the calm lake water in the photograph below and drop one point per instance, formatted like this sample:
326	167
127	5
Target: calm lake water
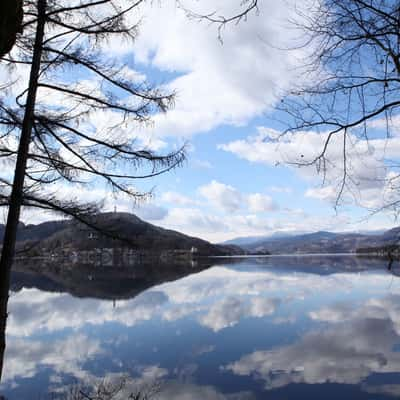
263	328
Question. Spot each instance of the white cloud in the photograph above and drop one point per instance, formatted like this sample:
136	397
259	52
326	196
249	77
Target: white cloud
52	312
213	90
202	222
230	199
370	181
24	358
231	310
327	193
222	196
177	199
336	313
259	203
346	355
357	342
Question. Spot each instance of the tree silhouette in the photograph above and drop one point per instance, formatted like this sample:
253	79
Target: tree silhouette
355	70
11	15
75	122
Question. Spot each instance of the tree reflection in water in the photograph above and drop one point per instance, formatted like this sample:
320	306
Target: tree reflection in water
121	388
344	328
91	281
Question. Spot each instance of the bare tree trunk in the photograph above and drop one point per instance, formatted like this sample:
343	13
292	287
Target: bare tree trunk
7	254
3	323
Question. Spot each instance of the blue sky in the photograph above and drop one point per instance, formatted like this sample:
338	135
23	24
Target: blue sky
231	185
237	180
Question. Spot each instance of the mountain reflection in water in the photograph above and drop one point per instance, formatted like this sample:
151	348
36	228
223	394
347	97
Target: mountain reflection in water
276	328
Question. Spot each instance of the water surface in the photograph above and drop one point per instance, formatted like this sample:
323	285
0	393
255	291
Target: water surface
276	328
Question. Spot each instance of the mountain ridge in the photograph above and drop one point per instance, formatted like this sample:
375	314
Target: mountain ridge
325	242
115	230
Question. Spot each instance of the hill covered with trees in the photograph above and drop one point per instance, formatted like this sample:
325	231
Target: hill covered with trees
111	230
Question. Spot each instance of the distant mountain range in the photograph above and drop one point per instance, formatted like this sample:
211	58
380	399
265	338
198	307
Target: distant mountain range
318	242
116	230
248	240
122	230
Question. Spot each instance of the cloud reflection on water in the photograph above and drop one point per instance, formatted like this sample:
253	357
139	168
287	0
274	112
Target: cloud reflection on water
340	342
353	344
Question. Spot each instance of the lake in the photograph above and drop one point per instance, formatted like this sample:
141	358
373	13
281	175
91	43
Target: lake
275	327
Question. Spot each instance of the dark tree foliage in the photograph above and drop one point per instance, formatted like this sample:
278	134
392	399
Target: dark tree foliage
11	15
48	125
